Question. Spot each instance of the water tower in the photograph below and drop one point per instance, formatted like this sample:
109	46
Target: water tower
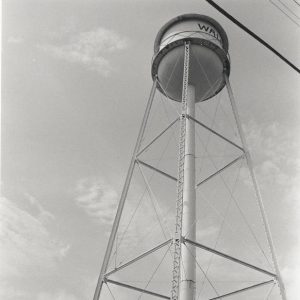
190	65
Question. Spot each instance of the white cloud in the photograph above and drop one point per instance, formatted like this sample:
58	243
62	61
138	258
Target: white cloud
291	273
99	201
90	49
291	268
97	198
277	151
44	215
26	244
273	140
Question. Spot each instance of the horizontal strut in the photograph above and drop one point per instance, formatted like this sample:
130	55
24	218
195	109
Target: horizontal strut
139	257
229	257
243	290
222	169
155	169
137	289
216	133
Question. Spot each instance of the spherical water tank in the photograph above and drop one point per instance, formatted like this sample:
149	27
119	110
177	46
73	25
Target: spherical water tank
208	56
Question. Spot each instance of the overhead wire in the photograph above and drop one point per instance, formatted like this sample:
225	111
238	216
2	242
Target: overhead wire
205	273
296	2
287	8
288	16
156	212
260	40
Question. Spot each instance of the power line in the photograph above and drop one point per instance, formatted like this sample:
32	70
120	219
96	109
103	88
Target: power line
283	4
297	2
278	7
235	21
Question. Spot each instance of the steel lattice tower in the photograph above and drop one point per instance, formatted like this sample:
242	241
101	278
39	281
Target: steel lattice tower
190	65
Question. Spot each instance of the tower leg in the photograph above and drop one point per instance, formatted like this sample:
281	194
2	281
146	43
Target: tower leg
257	191
188	252
124	195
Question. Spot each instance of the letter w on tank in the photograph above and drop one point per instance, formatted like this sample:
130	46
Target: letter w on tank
203	27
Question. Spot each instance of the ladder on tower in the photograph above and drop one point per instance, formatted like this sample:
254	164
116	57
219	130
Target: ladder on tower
180	181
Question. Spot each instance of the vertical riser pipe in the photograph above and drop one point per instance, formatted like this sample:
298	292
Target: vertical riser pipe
188	269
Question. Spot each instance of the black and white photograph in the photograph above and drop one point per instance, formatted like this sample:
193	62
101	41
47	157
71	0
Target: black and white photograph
150	149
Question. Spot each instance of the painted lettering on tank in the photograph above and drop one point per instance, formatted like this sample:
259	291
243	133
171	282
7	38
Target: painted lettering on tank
203	27
209	30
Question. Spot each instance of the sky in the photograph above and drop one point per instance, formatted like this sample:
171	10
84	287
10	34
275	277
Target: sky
76	76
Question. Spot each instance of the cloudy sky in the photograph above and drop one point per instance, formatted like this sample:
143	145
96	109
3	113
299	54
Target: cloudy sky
75	80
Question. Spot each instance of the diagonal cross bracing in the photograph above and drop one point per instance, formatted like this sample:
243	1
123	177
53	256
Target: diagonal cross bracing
138	257
219	171
157	137
137	289
215	132
124	195
229	257
257	191
243	290
155	169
